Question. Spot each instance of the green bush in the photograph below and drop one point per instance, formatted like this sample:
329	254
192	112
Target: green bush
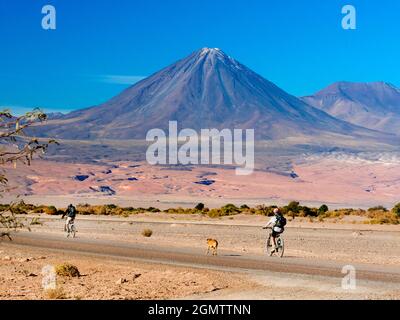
308	212
229	209
323	209
200	206
293	206
396	210
377	208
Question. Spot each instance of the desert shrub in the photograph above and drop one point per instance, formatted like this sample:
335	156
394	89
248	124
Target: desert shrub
199	206
85	210
50	210
377	208
4	207
244	207
67	270
396	210
389	218
117	212
229	209
323	209
181	210
102	210
340	213
147	233
21	208
152	209
350	212
55	294
214	213
264	210
293	206
308	212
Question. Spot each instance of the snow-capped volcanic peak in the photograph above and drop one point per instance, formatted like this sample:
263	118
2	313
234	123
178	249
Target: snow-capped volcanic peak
207	89
212	53
216	53
210	50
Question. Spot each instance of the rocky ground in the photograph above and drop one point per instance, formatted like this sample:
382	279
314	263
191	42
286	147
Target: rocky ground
104	278
109	278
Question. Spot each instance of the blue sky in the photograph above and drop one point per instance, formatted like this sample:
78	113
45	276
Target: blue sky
100	47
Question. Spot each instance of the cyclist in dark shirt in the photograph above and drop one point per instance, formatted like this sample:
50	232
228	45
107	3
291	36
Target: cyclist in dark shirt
71	214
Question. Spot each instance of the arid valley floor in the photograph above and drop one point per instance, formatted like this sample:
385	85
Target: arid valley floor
172	262
336	179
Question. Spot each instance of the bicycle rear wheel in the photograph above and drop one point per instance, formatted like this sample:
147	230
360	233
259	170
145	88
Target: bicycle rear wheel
73	231
281	246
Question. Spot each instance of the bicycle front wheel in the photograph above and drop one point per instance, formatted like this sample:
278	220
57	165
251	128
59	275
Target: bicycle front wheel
268	246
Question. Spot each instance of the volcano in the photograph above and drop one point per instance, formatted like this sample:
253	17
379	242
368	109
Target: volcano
207	89
374	105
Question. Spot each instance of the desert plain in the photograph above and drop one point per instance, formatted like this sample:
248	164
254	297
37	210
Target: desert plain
111	251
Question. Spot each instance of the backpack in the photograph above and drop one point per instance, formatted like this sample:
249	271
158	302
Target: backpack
280	222
72	212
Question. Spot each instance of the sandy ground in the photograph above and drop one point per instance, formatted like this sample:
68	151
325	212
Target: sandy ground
275	286
336	181
345	242
21	278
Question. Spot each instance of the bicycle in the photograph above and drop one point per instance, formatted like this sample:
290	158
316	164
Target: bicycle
280	245
71	229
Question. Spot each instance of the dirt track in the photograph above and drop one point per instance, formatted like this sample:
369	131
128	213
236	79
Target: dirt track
196	258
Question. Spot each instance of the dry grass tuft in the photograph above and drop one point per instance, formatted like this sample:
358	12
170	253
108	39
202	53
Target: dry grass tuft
147	233
67	270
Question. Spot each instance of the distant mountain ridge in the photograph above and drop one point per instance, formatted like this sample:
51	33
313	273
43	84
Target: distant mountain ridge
374	105
207	89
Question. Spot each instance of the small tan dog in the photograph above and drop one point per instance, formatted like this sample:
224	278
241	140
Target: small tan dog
213	245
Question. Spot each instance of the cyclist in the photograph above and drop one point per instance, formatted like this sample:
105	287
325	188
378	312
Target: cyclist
71	214
277	223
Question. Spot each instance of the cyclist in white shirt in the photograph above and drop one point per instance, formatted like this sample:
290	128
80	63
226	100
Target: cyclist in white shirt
277	223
